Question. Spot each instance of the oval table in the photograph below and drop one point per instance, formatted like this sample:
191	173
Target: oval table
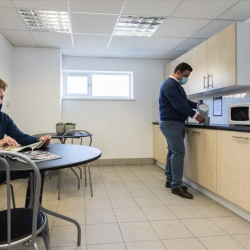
72	155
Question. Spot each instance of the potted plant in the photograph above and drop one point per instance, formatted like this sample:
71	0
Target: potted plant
60	128
69	126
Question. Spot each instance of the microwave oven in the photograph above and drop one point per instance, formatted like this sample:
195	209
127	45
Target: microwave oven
239	114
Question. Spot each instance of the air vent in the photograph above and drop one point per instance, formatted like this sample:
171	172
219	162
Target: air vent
51	21
138	26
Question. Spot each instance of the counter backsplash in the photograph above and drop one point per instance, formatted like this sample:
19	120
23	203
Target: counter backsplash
230	97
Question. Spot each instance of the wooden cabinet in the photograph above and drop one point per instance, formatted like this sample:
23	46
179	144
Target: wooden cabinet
198	79
233	167
159	145
200	157
220	62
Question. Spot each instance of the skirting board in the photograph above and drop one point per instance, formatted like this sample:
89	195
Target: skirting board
225	203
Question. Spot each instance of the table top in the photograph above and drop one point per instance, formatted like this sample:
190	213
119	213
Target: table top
56	136
72	155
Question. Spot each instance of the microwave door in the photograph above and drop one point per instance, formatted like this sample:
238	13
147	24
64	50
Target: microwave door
240	114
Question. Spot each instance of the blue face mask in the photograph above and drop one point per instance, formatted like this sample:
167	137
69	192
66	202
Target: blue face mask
183	80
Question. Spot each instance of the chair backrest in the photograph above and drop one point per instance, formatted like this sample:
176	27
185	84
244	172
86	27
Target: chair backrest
73	133
36	171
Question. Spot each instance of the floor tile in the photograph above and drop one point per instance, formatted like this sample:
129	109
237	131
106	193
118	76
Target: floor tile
111	177
78	215
158	213
213	210
220	242
141	192
118	193
171	199
159	191
185	212
120	202
107	170
145	245
71	205
98	216
97	194
116	246
203	227
137	231
103	233
154	184
134	185
129	214
150	201
114	185
243	239
200	199
183	244
232	225
171	229
91	203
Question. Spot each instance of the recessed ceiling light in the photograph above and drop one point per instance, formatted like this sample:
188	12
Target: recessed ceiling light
40	20
138	26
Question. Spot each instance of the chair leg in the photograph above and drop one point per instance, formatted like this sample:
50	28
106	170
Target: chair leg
13	196
80	172
85	174
78	179
90	182
60	184
46	240
36	246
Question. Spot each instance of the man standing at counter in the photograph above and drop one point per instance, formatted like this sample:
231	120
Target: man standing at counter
174	109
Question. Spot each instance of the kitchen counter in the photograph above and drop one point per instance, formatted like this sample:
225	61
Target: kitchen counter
216	127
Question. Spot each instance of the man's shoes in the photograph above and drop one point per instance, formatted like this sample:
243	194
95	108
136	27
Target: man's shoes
184	188
183	194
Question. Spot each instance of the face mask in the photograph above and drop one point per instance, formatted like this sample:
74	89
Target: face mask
183	80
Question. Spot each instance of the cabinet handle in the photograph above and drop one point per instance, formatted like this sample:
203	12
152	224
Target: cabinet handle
210	85
195	132
204	82
240	137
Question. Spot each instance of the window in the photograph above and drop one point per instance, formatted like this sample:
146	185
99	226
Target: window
98	85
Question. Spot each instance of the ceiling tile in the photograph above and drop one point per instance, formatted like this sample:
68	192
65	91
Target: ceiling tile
5	3
42	5
239	12
189	44
180	27
212	28
93	23
203	9
52	39
67	51
128	42
151	8
173	55
91	41
161	43
79	51
120	53
112	7
10	19
17	37
152	54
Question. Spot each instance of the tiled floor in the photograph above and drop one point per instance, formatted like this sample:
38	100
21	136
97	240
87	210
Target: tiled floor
131	209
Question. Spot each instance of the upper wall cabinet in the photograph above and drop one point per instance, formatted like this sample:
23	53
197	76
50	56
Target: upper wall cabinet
169	68
221	61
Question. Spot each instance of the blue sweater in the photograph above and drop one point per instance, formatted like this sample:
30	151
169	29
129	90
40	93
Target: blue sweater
173	102
8	127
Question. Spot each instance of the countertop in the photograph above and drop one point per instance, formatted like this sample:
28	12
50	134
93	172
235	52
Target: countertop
216	127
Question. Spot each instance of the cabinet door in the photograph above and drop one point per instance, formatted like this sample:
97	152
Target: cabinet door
198	79
222	58
164	149
233	167
173	64
156	142
200	159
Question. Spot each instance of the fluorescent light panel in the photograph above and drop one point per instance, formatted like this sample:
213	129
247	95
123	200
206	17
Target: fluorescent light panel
40	20
138	26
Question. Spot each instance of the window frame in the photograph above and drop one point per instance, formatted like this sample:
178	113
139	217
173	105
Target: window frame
89	96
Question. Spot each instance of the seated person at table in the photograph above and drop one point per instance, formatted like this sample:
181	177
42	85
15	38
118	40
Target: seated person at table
15	137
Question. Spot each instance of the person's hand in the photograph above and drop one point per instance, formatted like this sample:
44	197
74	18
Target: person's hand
8	141
200	119
46	138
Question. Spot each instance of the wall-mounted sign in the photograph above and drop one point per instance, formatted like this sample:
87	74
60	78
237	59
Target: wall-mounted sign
217	106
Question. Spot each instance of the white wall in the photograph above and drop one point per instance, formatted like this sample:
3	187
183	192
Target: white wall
6	72
121	129
37	85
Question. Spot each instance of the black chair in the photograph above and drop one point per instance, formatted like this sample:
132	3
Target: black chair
22	225
70	135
